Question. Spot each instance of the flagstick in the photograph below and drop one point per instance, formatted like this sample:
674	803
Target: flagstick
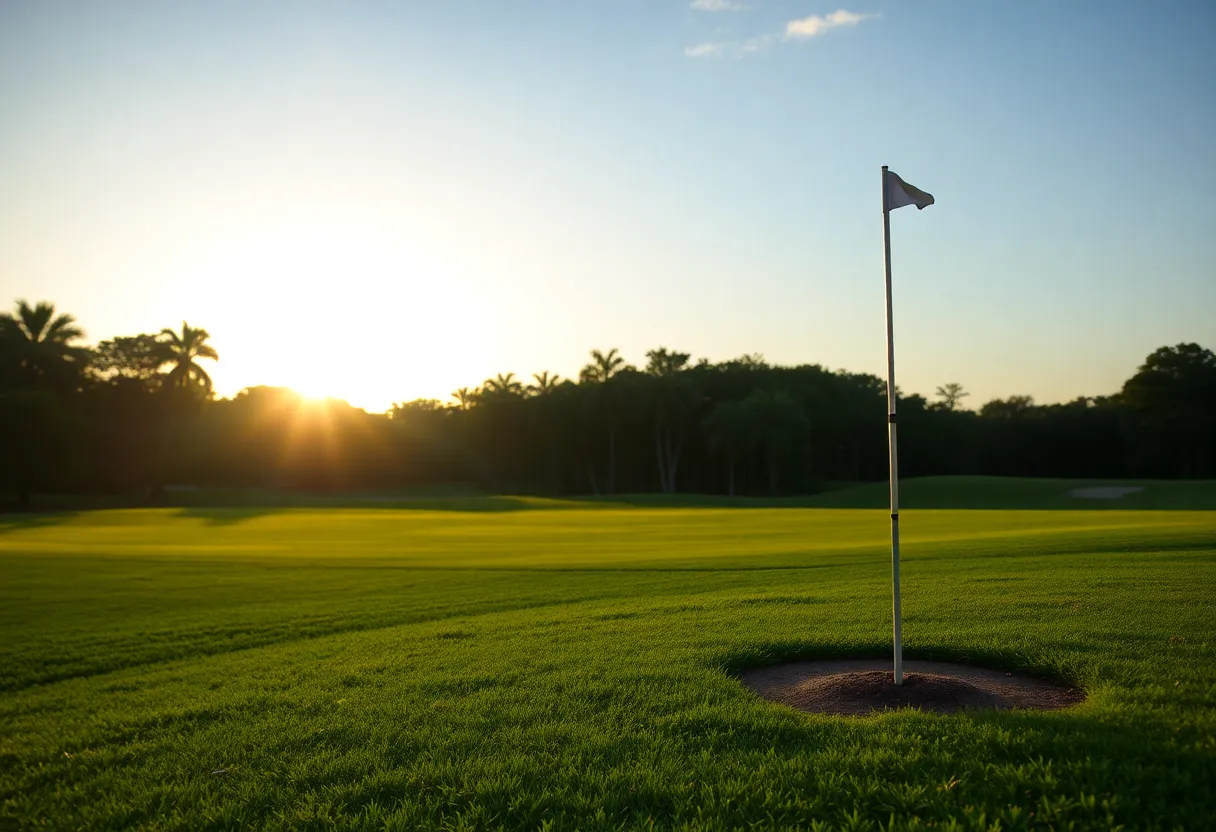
899	646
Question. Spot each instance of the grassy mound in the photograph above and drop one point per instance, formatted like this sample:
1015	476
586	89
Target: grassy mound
1021	493
201	668
1025	493
922	492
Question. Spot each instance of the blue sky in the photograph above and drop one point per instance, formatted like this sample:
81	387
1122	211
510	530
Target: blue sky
382	201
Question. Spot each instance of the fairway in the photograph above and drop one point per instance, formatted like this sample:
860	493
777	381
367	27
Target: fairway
537	664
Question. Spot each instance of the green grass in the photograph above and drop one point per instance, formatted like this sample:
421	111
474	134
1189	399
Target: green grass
536	668
966	492
921	492
1025	493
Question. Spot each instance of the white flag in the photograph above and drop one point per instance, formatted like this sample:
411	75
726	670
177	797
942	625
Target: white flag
900	193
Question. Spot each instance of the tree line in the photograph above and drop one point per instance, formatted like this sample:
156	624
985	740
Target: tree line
136	414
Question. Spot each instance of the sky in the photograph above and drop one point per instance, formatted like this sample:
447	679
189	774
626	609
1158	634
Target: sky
382	201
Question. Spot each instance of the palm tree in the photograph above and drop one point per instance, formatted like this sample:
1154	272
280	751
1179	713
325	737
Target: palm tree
504	384
464	397
674	398
182	351
497	422
544	420
41	341
546	382
603	366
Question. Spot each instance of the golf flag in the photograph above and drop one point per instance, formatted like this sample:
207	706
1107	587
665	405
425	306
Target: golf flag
896	193
900	193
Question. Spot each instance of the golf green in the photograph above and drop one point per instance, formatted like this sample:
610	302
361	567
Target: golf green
537	664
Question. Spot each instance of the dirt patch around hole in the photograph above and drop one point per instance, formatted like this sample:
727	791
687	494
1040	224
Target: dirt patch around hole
863	686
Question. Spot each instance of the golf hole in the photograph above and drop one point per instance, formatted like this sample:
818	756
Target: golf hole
864	686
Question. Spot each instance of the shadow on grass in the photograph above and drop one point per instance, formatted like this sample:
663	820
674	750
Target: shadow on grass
33	520
227	506
787	652
223	509
611	568
227	516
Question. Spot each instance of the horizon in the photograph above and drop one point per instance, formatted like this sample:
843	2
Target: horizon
527	377
384	203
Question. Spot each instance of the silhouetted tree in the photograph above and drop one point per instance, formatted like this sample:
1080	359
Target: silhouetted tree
674	400
604	367
1172	410
36	347
1013	407
951	395
182	350
543	383
34	442
731	436
504	385
134	414
136	357
129	413
777	423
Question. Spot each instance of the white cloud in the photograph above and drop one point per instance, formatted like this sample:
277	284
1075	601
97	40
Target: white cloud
705	50
733	49
795	30
809	27
717	6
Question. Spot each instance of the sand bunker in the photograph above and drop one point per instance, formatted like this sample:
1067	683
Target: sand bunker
859	687
1105	492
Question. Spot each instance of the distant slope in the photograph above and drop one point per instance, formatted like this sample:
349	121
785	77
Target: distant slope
917	493
1023	493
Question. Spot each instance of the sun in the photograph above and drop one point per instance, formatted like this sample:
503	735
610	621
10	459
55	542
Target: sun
332	311
317	385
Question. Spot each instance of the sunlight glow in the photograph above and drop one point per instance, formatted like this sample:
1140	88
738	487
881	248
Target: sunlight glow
331	312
